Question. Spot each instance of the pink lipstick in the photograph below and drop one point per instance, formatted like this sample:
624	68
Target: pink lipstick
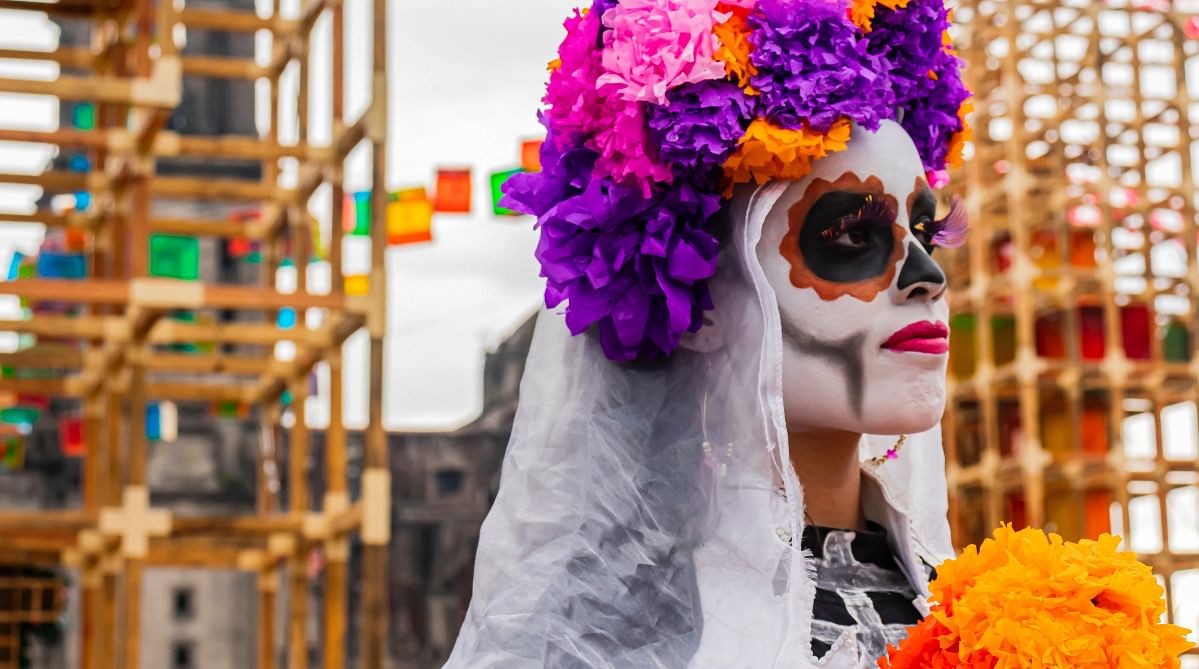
923	337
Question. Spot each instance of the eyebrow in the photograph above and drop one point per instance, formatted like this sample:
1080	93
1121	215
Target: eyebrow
834	205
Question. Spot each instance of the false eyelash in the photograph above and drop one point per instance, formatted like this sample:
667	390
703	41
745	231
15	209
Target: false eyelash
950	232
875	210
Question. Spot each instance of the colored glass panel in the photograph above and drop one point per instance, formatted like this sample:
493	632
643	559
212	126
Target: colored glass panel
1177	343
70	437
1094	425
83	116
1090	327
52	265
1098	514
20	415
14	265
12	452
286	318
1003	339
962	345
1082	249
153	421
1048	332
175	257
1136	330
357	284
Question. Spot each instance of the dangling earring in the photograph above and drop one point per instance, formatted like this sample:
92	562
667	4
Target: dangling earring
891	454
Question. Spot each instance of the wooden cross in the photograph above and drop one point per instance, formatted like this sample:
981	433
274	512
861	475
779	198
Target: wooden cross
135	522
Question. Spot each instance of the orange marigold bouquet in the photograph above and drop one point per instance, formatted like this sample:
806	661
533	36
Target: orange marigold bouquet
1025	600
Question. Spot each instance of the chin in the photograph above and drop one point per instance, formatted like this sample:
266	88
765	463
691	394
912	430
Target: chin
915	407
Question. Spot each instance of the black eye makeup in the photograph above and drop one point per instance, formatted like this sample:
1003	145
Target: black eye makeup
921	216
931	232
849	236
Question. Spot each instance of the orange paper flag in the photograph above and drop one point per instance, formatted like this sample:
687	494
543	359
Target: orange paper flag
530	155
453	191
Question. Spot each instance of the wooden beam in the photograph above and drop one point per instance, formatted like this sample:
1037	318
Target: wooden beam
212	19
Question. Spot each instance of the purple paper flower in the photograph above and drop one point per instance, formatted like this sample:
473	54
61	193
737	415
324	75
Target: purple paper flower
910	41
932	119
814	67
633	266
700	126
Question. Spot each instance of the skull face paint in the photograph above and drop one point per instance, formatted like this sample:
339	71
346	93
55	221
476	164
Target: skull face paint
861	300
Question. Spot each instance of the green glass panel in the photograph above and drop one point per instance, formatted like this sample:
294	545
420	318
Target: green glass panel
20	415
498	180
1177	344
175	257
961	345
1003	339
83	117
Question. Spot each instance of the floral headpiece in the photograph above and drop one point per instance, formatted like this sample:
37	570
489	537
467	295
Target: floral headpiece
656	109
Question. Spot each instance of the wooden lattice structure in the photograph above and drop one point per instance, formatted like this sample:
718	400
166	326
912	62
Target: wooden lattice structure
1075	302
25	599
112	339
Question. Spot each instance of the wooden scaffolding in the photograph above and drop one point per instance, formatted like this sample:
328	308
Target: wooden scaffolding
1073	369
112	337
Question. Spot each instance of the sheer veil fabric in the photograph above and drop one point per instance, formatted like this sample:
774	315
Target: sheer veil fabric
645	515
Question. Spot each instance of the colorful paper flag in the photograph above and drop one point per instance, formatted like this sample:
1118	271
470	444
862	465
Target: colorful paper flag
70	436
530	155
356	214
409	217
453	191
175	257
498	180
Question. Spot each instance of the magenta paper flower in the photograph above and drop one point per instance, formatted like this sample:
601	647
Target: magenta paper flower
653	46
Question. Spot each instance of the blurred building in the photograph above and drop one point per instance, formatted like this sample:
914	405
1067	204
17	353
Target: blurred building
444	485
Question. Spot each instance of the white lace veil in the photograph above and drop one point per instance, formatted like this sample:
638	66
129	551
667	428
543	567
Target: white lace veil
645	514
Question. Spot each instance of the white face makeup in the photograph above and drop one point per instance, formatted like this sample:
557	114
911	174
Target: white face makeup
864	314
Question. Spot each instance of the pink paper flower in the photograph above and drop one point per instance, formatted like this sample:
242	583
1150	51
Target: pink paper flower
653	46
579	107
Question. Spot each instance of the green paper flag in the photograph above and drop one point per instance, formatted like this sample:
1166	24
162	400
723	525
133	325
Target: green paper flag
175	257
498	179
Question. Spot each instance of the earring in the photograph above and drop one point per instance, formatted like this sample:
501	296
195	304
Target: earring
891	454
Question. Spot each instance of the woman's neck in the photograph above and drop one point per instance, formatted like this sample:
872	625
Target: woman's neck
830	473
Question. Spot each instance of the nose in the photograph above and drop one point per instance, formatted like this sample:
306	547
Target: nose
921	278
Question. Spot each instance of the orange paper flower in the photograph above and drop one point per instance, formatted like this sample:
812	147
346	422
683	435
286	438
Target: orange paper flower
861	12
769	152
957	144
1025	600
735	47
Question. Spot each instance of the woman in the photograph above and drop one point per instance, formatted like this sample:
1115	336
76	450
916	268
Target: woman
692	481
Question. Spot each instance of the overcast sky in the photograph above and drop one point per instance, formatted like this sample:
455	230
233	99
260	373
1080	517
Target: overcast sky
466	77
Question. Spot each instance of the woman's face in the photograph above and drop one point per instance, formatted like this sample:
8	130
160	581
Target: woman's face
864	314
